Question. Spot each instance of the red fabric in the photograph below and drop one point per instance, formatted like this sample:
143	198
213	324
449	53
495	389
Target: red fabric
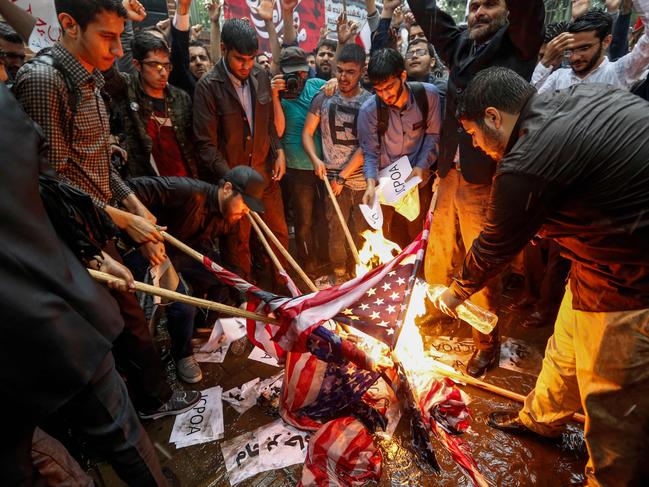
341	453
311	14
165	150
638	25
445	409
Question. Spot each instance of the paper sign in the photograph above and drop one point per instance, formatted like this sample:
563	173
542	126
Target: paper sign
232	328
244	397
281	445
373	215
241	457
260	356
392	181
207	352
47	30
202	423
276	445
157	271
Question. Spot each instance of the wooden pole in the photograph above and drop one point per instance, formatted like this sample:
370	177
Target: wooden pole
343	223
265	244
472	381
285	253
183	298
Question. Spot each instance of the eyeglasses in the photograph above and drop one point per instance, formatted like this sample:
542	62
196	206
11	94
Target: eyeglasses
578	50
416	52
159	66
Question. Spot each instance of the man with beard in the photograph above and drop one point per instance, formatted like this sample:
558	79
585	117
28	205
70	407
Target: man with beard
499	33
591	37
12	51
199	59
401	119
342	163
558	175
325	55
234	126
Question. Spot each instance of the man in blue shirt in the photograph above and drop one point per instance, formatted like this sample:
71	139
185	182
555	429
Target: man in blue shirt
410	132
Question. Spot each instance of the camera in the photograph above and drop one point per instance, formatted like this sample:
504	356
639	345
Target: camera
294	86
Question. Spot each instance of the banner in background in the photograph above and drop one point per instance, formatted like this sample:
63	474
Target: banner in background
46	31
309	16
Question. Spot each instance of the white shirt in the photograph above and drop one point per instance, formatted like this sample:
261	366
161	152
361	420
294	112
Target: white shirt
622	73
242	88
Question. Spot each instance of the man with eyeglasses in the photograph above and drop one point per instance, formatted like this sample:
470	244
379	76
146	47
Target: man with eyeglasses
586	52
422	65
12	51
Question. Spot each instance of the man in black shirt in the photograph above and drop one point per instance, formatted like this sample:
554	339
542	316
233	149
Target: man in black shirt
572	166
498	33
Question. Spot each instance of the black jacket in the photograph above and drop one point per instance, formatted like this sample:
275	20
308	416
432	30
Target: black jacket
575	171
515	46
57	324
221	129
190	210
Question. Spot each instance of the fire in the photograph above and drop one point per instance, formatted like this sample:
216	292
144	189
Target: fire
376	250
409	351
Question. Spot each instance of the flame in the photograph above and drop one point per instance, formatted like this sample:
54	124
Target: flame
409	350
376	250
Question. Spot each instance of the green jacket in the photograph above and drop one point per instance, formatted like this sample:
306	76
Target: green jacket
131	110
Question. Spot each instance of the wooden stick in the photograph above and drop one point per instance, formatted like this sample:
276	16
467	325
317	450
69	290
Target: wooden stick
180	245
183	298
472	381
285	253
265	243
343	223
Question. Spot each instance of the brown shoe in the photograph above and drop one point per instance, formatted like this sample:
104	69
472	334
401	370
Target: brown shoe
483	360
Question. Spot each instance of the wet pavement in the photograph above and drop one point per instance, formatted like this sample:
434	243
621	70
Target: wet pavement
503	459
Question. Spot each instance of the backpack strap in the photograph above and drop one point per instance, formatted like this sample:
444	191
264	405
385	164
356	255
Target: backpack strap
421	98
49	60
382	115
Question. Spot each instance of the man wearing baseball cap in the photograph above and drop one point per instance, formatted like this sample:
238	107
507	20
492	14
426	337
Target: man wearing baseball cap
302	190
205	217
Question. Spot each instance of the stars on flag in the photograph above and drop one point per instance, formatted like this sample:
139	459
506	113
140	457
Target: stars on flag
386	286
375	315
371	292
394	296
391	309
379	301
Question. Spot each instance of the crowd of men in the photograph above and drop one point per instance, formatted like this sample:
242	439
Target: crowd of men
536	134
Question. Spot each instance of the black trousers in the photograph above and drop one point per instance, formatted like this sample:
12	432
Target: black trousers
101	413
135	355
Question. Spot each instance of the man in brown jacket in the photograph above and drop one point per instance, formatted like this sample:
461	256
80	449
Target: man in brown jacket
233	126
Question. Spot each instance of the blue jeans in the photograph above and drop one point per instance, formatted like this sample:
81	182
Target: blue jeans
180	316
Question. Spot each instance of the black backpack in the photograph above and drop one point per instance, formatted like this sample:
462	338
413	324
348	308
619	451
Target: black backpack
383	118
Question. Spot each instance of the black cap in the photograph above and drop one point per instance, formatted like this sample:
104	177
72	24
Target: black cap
249	183
293	59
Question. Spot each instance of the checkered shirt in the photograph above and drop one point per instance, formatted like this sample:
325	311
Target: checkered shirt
79	148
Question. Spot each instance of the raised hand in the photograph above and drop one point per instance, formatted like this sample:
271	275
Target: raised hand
134	10
346	29
214	9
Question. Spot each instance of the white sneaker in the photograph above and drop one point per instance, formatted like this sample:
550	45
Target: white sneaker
188	370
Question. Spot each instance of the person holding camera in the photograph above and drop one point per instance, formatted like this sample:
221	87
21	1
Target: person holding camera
303	191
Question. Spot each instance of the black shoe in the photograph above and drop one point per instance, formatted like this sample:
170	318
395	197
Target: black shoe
483	360
538	319
509	422
180	402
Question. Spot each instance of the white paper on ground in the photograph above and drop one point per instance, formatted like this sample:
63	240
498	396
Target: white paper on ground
241	457
518	356
201	424
232	328
243	397
281	445
260	356
373	215
392	181
276	445
207	352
